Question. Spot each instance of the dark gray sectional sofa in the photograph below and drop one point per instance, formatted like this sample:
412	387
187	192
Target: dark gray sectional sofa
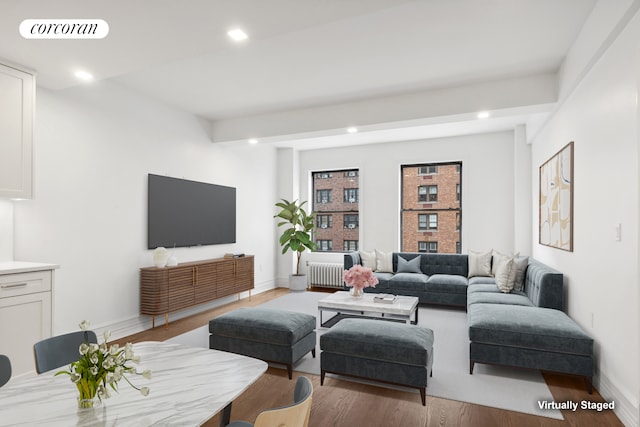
526	329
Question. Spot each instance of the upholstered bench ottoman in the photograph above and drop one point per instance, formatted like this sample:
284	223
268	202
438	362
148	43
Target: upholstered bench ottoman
529	337
276	336
379	350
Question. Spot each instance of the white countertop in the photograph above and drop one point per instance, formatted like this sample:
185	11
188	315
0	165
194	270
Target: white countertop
10	267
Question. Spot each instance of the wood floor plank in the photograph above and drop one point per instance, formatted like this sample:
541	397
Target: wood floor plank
351	404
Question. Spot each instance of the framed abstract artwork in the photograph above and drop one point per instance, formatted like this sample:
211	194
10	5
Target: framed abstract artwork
556	200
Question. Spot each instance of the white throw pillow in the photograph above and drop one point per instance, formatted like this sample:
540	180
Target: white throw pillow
498	258
384	262
368	259
479	263
506	275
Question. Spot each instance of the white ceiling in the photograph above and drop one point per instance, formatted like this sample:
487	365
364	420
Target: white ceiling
300	53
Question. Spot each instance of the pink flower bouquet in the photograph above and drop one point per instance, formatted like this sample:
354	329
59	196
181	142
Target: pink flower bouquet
359	277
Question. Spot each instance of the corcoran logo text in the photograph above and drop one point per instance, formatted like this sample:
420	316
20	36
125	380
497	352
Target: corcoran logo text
64	29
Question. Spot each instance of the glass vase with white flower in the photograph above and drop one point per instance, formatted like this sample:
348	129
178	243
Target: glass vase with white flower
100	368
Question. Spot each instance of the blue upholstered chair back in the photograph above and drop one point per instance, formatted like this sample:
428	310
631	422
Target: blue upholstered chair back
61	350
5	369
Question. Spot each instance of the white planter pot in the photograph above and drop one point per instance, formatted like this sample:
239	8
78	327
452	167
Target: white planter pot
298	283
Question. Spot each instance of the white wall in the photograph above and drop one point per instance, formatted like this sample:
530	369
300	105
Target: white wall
487	186
95	146
6	230
601	117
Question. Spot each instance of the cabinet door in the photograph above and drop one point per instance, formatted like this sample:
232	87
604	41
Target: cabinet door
226	278
181	288
244	274
154	291
24	320
205	282
17	89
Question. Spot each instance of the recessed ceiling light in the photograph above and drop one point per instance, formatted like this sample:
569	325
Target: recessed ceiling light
83	75
483	115
253	141
237	34
352	129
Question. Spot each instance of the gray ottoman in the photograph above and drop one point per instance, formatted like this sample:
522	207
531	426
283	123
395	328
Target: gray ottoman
389	352
276	336
529	337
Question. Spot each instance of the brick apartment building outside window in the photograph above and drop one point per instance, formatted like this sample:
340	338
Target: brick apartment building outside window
431	212
337	218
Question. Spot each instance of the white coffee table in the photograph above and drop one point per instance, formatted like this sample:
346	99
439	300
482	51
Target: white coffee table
403	308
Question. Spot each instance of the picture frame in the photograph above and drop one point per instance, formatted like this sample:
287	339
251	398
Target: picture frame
556	200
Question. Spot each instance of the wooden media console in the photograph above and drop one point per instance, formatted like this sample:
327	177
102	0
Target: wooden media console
167	289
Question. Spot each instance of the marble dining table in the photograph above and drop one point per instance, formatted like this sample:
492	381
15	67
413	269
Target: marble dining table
188	386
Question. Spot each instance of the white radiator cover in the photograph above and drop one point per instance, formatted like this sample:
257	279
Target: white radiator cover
325	274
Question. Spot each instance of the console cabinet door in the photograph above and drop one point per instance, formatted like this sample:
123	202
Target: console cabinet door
226	278
244	276
17	93
181	288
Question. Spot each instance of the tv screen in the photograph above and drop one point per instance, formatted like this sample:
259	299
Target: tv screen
189	213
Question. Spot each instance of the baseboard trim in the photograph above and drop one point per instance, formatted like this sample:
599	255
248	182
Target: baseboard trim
625	409
133	325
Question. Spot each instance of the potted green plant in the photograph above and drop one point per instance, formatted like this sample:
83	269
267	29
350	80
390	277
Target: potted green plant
297	236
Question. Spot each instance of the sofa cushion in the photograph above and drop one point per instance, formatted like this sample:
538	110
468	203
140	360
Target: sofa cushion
412	281
380	340
408	265
482	287
383	278
447	283
498	298
527	327
478	280
479	263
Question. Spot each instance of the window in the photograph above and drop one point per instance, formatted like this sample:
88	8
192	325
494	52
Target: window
429	247
323	221
458	248
323	196
324	245
350	245
351	195
428	221
350	221
428	193
436	211
337	221
427	170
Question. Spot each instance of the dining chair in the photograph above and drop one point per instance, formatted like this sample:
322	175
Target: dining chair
60	350
294	415
5	370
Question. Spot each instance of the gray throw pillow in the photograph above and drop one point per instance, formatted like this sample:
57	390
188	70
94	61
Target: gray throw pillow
521	270
409	266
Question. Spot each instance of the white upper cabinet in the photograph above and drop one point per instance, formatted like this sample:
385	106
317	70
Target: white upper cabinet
17	104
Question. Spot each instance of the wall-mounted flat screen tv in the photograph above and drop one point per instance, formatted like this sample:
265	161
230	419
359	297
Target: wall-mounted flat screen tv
189	213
